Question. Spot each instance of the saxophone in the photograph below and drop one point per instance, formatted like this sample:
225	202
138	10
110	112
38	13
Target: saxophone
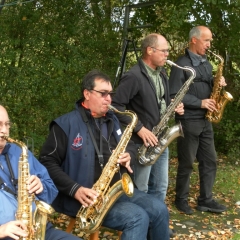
36	224
90	218
218	94
149	155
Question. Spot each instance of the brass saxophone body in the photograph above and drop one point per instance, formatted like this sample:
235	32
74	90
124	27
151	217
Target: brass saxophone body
36	224
218	94
149	155
90	218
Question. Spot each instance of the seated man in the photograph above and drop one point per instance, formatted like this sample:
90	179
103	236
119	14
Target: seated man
78	147
38	183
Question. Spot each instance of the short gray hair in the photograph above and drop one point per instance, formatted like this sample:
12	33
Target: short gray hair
149	41
196	32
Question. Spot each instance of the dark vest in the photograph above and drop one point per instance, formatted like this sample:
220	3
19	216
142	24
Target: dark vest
80	161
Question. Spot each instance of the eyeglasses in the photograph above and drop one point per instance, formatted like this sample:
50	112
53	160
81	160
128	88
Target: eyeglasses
162	50
105	93
7	124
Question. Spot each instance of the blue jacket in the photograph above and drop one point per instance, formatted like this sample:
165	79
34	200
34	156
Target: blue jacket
8	203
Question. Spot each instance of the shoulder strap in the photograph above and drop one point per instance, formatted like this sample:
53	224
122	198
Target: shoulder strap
13	179
99	153
4	187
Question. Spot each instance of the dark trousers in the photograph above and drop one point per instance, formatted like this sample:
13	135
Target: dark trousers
197	143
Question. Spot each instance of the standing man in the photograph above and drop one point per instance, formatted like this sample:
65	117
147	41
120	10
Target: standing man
74	158
198	141
144	90
39	183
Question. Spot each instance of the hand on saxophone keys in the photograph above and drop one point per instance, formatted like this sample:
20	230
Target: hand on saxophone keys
180	109
124	160
86	196
34	185
209	104
222	82
13	229
149	139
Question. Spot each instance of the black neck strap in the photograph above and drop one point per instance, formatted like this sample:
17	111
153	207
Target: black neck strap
99	152
13	179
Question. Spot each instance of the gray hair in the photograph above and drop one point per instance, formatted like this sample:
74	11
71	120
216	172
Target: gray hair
196	32
149	41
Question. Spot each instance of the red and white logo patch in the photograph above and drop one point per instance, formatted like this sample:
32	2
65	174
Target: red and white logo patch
77	142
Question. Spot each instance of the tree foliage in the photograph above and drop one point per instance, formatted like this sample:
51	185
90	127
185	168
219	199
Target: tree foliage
48	46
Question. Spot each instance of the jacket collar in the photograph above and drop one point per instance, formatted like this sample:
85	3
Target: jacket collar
6	148
78	104
195	58
144	70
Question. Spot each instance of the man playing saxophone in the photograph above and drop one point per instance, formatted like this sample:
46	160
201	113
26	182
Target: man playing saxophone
198	141
144	89
39	183
77	152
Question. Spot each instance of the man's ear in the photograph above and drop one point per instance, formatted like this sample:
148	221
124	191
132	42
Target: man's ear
150	50
86	94
194	40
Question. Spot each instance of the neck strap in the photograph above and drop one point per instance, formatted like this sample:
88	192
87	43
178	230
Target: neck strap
99	152
13	179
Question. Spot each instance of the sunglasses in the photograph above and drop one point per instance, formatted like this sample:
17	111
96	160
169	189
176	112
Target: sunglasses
105	93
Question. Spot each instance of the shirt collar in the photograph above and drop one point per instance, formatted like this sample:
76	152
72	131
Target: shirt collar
6	148
196	59
153	71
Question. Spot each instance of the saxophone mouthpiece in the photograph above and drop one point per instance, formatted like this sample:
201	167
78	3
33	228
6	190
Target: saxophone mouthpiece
171	63
3	136
112	108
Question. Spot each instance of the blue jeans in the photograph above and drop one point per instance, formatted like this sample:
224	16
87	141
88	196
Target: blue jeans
134	216
153	179
56	234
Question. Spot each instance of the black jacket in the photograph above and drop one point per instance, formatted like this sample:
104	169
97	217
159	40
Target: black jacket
136	92
200	89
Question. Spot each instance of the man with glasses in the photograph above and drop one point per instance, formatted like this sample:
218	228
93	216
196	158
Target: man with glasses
144	90
39	183
77	149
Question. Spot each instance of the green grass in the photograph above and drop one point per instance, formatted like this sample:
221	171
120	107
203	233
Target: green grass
236	237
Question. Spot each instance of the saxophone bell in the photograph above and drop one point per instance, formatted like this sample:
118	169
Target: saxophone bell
152	154
40	218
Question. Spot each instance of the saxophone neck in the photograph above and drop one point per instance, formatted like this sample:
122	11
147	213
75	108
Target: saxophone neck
132	114
19	143
217	56
186	68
